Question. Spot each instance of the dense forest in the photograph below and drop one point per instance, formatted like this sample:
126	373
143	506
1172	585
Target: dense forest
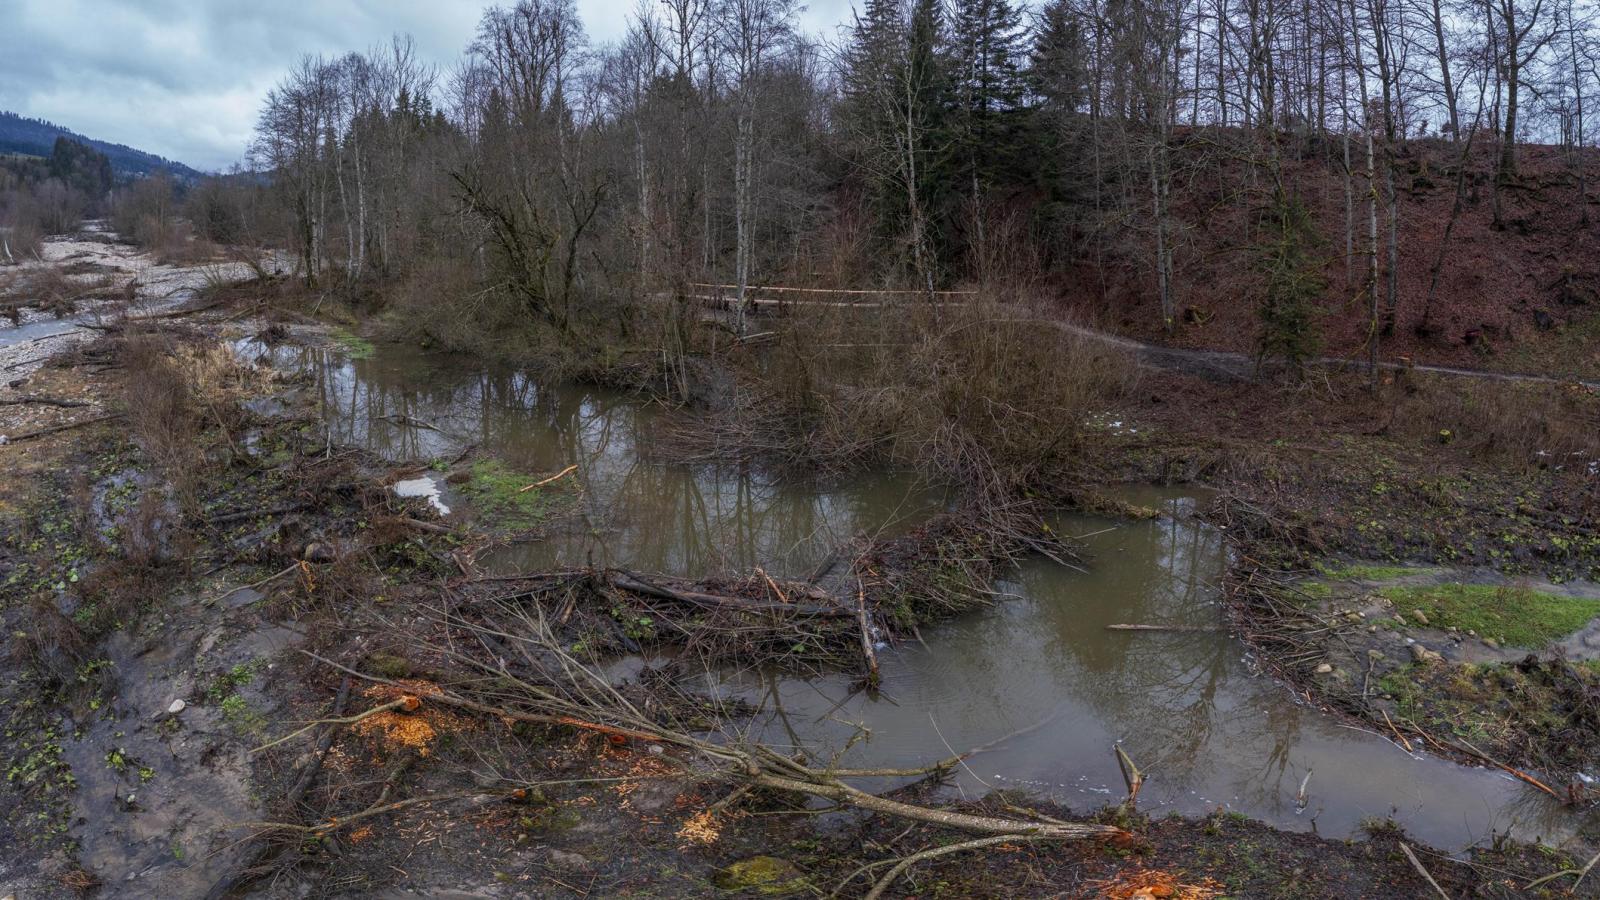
1301	171
1121	146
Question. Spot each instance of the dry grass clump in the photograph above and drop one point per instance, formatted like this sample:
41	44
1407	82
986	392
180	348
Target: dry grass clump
1536	423
174	392
177	244
163	411
50	289
50	644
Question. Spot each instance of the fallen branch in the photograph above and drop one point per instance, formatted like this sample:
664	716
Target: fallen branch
43	401
254	586
935	852
1131	775
430	527
54	429
1397	735
556	477
1517	773
866	635
409	703
1186	628
1417	864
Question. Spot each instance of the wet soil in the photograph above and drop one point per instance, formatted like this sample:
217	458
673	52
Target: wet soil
300	545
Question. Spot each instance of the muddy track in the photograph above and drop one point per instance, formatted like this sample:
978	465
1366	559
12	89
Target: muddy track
1211	363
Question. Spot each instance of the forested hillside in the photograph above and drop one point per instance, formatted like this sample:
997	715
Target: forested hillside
36	137
1360	180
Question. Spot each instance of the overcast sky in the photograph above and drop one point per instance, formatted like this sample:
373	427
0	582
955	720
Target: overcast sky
184	78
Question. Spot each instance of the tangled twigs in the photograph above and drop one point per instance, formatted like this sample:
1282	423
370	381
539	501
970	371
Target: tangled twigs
934	852
336	823
408	703
538	680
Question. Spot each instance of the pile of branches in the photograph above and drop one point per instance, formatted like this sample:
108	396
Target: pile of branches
949	565
521	670
613	610
865	594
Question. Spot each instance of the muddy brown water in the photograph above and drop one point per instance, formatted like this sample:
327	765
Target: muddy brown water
1037	674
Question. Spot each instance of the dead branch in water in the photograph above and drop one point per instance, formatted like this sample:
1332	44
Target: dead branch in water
519	670
544	481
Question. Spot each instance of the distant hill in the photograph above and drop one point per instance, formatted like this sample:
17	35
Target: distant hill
36	137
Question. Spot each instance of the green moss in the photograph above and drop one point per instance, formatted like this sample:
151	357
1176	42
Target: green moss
389	665
497	494
1318	590
239	714
767	875
1517	616
354	345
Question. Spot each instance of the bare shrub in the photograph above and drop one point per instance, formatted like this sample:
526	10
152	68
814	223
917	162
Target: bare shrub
178	245
162	410
21	238
964	391
51	644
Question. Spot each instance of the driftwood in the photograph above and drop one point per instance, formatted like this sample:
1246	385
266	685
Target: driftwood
865	623
43	401
30	435
629	581
544	481
1182	628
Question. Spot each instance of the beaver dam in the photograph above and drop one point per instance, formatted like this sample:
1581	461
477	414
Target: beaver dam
1040	680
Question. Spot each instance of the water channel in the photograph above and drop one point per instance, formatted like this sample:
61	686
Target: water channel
1038	668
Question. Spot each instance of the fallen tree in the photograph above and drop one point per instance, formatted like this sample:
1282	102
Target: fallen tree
519	671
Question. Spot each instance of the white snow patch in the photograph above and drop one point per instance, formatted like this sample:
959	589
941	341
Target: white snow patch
423	487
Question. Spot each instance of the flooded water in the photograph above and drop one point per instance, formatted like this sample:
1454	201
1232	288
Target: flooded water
1209	732
1038	675
633	511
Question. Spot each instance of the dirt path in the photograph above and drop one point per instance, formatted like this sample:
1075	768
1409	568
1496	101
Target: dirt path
1199	362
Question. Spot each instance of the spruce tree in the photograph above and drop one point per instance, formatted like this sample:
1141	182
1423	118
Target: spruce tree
1058	72
987	44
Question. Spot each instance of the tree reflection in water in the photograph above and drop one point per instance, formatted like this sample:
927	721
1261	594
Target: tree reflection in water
1185	705
635	511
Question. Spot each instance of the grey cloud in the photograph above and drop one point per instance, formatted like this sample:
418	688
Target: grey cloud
185	78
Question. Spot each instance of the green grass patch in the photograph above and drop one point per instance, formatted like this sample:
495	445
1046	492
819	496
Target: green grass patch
1516	616
354	345
497	494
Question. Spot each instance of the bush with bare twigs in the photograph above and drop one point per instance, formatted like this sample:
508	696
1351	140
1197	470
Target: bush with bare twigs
976	391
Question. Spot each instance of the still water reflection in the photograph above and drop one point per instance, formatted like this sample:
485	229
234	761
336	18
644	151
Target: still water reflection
1038	669
1209	732
634	510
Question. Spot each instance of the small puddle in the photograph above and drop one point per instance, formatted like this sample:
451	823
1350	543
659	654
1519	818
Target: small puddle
1038	674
